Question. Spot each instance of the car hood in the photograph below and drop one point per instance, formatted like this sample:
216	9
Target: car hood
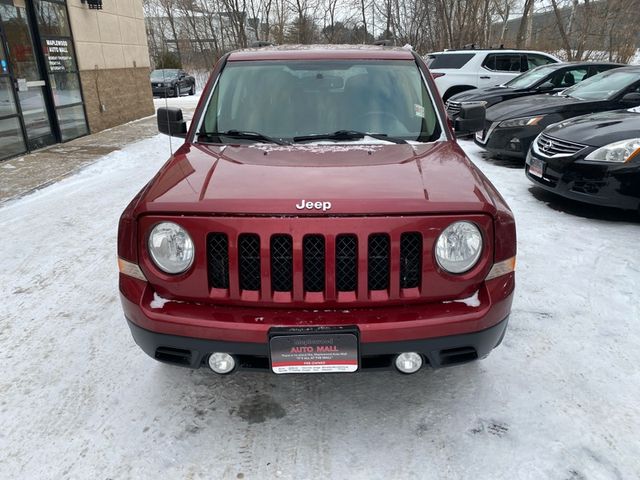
531	105
599	129
355	178
478	94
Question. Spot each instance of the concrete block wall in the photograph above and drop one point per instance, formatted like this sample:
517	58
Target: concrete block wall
113	59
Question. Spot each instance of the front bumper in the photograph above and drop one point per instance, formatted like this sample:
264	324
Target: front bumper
438	352
513	142
162	91
446	333
589	182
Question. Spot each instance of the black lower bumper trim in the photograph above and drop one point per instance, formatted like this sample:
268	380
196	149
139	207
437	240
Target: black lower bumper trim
439	352
589	183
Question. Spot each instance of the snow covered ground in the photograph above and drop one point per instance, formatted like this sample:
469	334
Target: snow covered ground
78	399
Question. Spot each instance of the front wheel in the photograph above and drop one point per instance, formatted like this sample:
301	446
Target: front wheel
193	90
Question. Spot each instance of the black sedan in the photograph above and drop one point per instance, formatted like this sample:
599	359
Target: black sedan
550	78
593	158
511	126
172	81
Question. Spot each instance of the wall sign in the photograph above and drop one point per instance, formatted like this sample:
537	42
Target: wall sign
58	55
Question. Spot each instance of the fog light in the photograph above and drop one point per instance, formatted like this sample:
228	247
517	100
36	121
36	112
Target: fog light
221	363
408	362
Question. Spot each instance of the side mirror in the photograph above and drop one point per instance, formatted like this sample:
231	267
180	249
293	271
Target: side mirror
632	97
546	87
470	119
170	122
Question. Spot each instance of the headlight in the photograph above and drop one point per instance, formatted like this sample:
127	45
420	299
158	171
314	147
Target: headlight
618	152
522	122
171	247
459	247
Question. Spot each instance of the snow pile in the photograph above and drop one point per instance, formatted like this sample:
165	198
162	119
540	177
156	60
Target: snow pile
158	301
366	144
473	301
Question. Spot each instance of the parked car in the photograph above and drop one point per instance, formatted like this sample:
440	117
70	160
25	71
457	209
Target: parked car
550	78
511	126
320	217
456	71
171	81
593	158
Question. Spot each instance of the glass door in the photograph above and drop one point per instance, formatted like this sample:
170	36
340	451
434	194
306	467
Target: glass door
11	137
62	68
26	74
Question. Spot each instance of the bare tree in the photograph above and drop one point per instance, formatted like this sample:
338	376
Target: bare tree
522	30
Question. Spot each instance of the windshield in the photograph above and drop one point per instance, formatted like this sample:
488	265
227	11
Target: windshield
163	74
530	78
287	99
603	86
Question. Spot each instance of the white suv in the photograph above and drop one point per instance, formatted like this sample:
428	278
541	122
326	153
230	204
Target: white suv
455	71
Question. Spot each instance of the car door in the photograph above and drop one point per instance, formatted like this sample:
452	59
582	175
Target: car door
498	68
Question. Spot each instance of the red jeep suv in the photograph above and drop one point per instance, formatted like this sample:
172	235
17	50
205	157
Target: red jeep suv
319	217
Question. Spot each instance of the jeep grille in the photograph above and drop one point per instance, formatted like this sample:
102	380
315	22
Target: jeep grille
316	274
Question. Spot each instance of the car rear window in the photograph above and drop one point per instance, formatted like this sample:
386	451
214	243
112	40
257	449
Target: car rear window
448	60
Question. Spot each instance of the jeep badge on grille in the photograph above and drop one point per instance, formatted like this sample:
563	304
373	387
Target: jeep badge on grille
324	206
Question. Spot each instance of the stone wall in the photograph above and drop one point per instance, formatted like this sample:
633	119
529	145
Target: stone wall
113	58
123	93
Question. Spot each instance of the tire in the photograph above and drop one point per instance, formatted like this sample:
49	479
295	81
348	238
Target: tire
178	93
193	90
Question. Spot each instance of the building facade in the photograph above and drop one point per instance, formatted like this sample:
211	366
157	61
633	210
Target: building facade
69	68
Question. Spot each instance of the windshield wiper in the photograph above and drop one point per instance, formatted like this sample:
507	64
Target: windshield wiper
243	135
347	135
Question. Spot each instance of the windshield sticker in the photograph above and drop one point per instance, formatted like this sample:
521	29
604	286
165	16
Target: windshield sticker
419	110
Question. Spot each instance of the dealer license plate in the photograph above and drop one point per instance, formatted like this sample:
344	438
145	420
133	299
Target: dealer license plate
314	352
536	167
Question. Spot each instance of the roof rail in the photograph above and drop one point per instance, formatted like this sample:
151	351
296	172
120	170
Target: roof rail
473	46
